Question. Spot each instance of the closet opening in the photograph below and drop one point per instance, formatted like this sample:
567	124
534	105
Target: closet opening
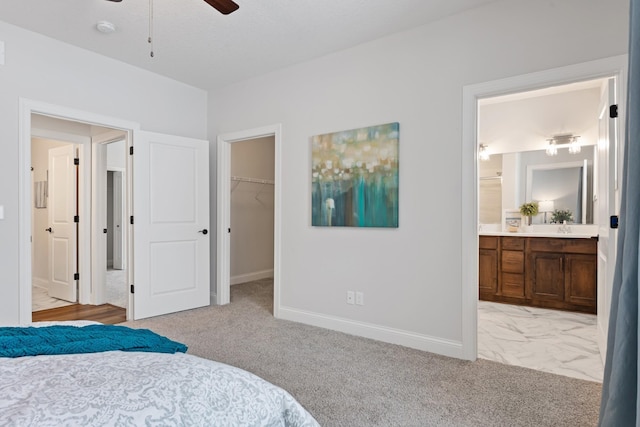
251	195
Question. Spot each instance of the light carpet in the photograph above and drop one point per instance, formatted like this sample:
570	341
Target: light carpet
344	380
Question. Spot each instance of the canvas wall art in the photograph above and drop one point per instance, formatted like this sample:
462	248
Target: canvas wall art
355	177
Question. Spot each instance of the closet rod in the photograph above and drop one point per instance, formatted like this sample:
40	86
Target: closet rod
254	180
490	178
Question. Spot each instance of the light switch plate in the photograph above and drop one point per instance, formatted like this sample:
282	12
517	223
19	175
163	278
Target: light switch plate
1	212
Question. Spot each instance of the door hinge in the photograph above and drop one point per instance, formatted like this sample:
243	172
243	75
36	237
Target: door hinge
131	219
76	218
613	111
76	276
613	221
131	150
229	229
132	290
76	161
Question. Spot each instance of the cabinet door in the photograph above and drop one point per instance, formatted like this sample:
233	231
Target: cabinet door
488	271
546	281
580	280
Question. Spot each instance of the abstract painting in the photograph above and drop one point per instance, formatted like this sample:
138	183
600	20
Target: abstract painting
354	176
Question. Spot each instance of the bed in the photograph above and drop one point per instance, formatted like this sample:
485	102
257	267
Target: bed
134	388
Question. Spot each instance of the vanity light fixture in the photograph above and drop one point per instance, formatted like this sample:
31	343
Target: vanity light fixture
552	149
563	141
574	145
483	153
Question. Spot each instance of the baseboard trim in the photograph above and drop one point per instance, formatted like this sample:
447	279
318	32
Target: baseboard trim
380	333
249	277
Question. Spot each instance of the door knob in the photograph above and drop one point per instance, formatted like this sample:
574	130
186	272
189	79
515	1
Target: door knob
205	231
49	230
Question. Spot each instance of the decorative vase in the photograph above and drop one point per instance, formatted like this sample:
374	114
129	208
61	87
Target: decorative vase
526	221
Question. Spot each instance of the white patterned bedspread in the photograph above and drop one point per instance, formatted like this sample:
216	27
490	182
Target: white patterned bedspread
137	389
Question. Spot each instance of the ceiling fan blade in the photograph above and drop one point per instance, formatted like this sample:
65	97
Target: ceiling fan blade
223	6
117	1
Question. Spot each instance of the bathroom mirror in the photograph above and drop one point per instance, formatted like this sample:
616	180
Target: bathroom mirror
508	180
561	186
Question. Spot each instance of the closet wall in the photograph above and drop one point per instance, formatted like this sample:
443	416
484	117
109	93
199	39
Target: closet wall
252	207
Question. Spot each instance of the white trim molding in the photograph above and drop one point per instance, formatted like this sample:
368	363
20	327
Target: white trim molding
223	209
26	108
250	277
615	66
375	332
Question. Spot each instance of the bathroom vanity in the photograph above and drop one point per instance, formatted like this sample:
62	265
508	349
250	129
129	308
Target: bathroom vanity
543	270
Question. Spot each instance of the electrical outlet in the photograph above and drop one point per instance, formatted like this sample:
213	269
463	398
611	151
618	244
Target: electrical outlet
350	297
360	298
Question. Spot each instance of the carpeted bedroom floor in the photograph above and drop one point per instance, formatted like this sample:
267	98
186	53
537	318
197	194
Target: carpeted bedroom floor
345	380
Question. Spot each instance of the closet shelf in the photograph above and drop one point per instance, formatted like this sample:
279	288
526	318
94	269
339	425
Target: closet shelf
240	179
253	180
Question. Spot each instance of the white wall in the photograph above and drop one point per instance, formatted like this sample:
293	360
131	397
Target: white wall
42	69
411	276
252	210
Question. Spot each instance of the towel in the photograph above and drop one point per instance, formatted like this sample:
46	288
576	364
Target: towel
30	341
40	193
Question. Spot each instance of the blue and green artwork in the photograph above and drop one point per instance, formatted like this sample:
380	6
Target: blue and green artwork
355	177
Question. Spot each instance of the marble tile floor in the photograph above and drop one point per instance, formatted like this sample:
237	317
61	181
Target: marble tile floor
40	300
116	289
555	341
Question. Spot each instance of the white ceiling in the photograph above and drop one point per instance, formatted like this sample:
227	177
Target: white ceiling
195	44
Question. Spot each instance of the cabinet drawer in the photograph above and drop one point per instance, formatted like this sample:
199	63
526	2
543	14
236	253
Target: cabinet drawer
488	242
512	262
513	243
560	245
513	285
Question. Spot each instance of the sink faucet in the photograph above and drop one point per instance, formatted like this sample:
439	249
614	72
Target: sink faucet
564	228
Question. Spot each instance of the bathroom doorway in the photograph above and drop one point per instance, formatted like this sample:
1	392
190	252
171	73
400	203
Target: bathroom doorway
550	129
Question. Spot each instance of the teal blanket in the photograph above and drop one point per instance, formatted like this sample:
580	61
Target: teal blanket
18	342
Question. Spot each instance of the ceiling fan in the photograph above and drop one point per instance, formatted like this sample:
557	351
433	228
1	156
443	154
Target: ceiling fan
223	6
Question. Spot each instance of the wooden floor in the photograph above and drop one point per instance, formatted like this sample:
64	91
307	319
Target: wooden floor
105	313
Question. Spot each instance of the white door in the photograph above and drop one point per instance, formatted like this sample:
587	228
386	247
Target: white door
117	221
606	198
171	224
62	229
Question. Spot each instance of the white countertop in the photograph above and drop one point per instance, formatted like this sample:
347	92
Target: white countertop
577	231
538	234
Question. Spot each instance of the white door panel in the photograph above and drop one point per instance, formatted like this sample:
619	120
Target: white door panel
171	210
62	228
606	206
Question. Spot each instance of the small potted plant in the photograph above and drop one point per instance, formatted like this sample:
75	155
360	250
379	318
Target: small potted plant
528	210
559	216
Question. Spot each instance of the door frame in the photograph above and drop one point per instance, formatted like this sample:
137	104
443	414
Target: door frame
28	107
615	66
223	211
99	168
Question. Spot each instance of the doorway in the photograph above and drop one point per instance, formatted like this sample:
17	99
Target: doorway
65	217
473	95
252	211
225	183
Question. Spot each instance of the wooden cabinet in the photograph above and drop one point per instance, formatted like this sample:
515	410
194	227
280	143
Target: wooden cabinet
488	259
539	271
